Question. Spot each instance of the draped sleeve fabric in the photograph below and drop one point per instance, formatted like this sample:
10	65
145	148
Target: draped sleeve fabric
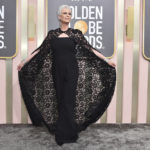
36	85
33	67
45	46
95	87
96	83
82	41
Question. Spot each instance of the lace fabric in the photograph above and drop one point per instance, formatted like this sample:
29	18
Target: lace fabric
95	87
75	34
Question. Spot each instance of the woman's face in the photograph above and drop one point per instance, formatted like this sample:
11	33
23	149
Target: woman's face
65	15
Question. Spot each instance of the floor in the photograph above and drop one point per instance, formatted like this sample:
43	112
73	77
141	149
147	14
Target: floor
95	137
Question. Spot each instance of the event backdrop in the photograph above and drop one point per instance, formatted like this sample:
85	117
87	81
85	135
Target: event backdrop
8	28
114	27
94	18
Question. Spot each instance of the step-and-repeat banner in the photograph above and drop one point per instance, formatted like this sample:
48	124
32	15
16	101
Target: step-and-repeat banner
7	28
94	18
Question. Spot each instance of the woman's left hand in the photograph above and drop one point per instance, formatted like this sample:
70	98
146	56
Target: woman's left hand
111	63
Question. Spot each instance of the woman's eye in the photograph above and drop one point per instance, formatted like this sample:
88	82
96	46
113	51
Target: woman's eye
66	13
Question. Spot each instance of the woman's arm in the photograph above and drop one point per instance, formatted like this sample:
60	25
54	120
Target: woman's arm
29	57
100	55
104	58
81	40
45	46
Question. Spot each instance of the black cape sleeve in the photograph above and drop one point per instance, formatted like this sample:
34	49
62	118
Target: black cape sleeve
95	86
82	41
45	46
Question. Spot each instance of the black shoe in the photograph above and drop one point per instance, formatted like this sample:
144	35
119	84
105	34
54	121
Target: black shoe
59	143
37	124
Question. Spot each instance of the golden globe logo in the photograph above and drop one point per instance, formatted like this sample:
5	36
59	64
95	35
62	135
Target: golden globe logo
2	17
81	25
94	17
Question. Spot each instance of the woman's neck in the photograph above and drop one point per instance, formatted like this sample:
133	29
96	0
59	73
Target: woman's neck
64	27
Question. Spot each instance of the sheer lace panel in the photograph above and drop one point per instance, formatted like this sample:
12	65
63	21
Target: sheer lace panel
74	34
95	87
82	41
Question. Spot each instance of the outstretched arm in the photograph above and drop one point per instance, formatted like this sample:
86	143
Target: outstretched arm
45	46
84	43
99	54
29	57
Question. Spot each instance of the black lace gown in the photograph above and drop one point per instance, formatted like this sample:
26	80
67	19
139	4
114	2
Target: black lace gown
65	85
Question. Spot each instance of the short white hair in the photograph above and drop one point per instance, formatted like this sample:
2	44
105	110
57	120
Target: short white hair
62	7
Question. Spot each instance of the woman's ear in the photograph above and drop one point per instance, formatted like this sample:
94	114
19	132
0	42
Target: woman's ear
58	17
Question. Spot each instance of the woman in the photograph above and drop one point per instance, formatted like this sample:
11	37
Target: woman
65	83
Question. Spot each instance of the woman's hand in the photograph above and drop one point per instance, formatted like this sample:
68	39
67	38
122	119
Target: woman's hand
20	66
24	61
111	63
104	58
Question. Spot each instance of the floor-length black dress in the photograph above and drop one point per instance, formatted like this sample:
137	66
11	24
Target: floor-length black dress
65	85
65	75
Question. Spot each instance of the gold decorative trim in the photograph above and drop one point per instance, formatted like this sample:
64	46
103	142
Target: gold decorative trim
135	70
121	24
144	29
24	49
